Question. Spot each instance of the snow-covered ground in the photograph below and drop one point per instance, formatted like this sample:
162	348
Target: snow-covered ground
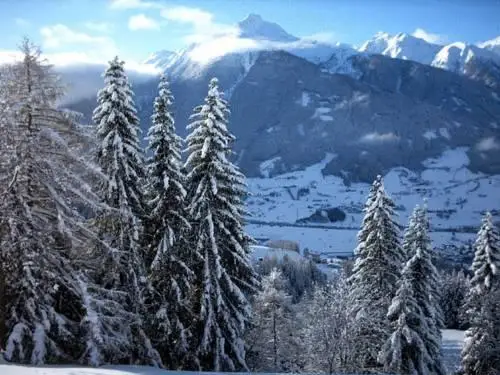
261	252
63	370
452	343
456	198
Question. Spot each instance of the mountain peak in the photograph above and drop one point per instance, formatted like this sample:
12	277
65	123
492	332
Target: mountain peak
492	45
252	18
255	27
402	45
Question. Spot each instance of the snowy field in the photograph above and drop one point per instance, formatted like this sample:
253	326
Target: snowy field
452	343
456	198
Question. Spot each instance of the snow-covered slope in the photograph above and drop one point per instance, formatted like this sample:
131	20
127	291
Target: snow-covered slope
162	58
258	253
456	198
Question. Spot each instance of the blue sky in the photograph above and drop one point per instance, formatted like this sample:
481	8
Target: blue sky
94	29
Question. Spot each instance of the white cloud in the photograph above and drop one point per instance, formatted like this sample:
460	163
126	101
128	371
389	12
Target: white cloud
133	4
488	144
103	27
142	22
22	22
216	47
429	37
184	14
379	137
202	23
67	45
57	36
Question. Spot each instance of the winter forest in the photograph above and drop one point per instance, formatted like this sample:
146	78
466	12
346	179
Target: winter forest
111	254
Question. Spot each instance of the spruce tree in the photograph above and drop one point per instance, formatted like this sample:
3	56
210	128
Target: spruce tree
421	277
405	351
225	277
122	271
43	237
481	351
167	224
486	263
376	271
409	237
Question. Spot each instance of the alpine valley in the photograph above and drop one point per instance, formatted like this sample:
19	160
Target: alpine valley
315	123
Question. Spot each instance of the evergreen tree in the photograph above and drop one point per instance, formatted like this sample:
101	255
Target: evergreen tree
376	271
271	337
486	263
409	238
122	271
43	238
216	190
405	351
481	351
170	271
119	153
421	278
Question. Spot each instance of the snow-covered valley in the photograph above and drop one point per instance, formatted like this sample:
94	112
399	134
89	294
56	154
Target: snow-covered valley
456	198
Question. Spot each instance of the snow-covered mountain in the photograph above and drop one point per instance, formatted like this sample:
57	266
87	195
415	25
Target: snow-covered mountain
254	27
480	62
491	45
457	57
401	46
254	35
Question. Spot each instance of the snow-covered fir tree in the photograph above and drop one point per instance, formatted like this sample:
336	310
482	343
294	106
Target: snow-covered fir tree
481	351
405	351
166	224
119	153
486	263
409	237
376	270
271	339
421	277
122	272
225	277
329	346
43	237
